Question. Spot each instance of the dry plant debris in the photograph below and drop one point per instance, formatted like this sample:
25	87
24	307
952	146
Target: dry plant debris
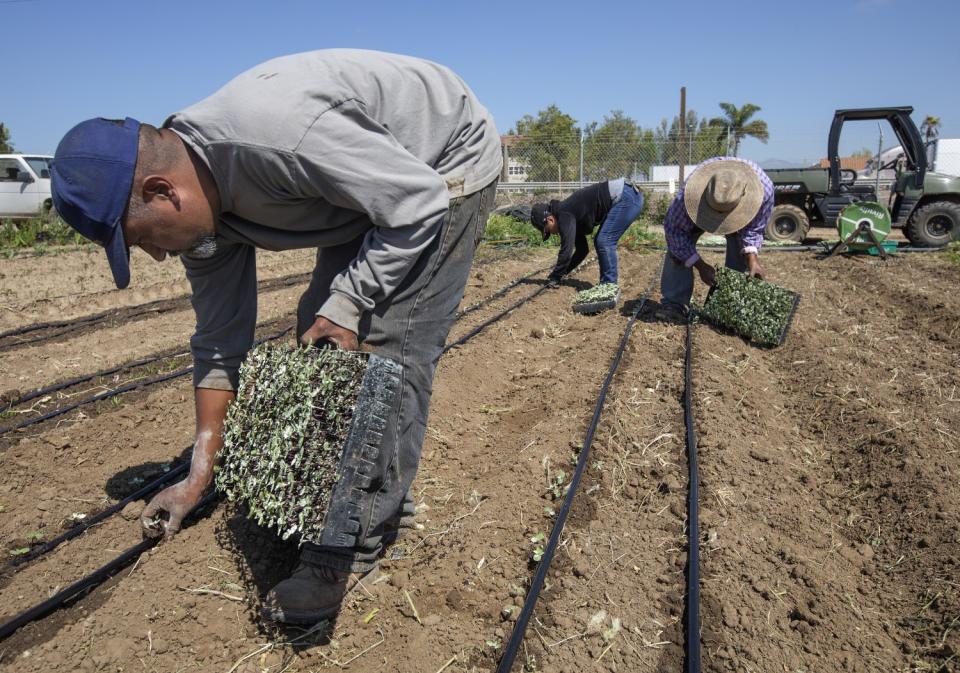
285	432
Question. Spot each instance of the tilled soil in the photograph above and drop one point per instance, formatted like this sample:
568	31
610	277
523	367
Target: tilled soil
829	494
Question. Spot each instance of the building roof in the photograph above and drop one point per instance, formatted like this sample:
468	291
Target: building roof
852	163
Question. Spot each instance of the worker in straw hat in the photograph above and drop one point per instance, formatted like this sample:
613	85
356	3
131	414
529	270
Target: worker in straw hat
724	196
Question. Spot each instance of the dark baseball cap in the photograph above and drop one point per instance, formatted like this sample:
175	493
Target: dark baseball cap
90	182
538	217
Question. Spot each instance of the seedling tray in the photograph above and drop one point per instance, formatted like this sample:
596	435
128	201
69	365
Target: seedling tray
752	308
302	438
596	299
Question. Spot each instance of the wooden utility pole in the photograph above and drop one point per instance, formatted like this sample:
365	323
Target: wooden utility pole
683	129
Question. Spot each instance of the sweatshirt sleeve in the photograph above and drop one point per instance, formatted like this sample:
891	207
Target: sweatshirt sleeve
350	160
567	226
225	303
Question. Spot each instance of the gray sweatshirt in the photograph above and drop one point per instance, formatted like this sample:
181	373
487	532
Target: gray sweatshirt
314	150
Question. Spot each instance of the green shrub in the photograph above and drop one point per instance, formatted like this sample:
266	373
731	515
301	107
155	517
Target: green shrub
16	234
506	229
285	432
753	308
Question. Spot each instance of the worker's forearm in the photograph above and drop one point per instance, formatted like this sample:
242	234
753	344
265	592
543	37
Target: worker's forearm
211	409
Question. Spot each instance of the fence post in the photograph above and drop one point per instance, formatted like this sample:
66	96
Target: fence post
581	158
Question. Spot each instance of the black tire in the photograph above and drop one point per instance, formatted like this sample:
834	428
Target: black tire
787	223
934	224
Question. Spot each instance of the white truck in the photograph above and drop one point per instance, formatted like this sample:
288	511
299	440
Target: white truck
25	186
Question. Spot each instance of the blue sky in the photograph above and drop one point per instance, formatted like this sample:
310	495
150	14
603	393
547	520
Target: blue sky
67	60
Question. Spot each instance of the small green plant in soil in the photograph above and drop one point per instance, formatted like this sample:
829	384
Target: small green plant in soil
37	234
601	292
751	307
19	551
285	432
953	252
537	541
556	486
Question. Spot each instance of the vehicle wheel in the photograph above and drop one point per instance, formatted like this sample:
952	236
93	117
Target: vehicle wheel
934	224
787	223
48	213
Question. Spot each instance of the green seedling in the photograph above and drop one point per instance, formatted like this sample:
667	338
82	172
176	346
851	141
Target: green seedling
601	292
34	536
557	485
19	551
538	550
285	432
750	307
493	643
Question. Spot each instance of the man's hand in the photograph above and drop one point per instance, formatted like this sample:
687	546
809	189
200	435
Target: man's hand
707	273
754	268
164	514
323	330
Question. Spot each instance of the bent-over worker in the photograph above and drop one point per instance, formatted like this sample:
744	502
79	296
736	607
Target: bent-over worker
386	164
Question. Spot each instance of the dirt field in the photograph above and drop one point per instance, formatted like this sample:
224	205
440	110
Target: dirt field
829	495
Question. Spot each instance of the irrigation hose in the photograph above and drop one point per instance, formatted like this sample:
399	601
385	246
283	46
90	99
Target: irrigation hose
499	293
82	527
489	321
87	583
107	394
516	638
127	312
693	515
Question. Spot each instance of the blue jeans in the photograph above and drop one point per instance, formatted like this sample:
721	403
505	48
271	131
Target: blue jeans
621	215
676	281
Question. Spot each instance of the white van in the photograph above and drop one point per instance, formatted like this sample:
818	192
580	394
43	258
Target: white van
25	186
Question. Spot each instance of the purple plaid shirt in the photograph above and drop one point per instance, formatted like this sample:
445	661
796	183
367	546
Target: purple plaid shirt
681	232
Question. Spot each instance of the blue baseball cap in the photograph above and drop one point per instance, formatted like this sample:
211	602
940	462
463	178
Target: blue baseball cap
90	182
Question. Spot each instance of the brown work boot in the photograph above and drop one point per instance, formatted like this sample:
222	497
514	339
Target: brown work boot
311	594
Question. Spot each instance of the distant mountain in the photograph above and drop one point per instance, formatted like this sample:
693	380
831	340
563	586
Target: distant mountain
780	163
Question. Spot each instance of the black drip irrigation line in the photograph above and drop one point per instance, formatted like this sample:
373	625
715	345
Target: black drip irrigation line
499	293
119	391
85	584
126	312
81	528
693	515
516	638
820	247
489	321
39	392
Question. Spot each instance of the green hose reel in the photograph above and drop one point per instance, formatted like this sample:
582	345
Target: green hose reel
862	226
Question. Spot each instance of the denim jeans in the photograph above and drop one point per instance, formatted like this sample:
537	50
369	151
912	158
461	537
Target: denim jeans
624	211
676	281
409	327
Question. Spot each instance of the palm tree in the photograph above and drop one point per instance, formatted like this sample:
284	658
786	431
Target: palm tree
930	128
737	123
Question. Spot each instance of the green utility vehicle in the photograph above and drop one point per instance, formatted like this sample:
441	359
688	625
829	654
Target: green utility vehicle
925	204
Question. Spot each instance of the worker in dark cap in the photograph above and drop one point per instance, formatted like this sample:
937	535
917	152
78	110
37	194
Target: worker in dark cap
613	204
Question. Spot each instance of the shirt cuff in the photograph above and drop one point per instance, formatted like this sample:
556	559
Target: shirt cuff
341	310
748	249
691	260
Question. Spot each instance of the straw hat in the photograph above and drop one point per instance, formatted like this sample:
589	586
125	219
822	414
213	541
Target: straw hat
723	196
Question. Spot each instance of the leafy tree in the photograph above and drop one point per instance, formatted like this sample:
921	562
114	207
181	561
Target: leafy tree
702	140
6	147
550	145
930	128
738	122
618	147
